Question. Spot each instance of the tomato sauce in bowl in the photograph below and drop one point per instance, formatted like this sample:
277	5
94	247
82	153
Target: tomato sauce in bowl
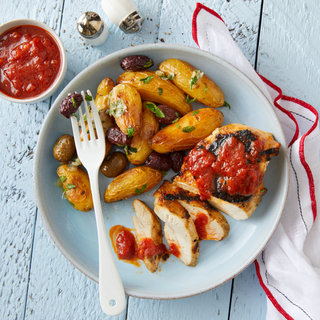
30	61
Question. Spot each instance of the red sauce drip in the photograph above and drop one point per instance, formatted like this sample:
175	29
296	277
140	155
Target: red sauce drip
173	249
233	170
30	61
126	245
200	223
148	248
127	249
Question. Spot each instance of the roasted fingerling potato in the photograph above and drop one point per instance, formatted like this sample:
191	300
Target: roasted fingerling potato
76	187
140	142
193	82
126	107
132	182
101	102
103	90
153	88
188	131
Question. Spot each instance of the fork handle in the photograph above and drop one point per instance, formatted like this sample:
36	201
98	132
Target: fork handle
111	291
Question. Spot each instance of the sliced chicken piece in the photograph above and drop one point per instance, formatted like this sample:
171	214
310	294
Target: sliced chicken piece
148	235
210	223
259	147
179	228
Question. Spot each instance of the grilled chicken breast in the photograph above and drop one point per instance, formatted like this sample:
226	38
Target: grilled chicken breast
227	168
148	228
179	229
210	223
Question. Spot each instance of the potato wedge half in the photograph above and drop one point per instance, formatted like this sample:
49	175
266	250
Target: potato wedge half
76	184
101	102
204	89
132	182
149	127
103	90
188	131
126	107
149	89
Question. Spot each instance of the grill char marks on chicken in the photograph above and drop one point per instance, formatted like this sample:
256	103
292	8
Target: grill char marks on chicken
179	229
210	223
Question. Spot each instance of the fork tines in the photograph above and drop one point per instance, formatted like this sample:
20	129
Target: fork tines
96	131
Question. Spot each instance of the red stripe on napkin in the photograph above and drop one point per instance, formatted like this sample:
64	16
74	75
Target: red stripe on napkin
199	7
288	113
269	294
302	155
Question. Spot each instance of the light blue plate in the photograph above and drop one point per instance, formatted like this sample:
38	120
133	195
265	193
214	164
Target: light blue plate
74	232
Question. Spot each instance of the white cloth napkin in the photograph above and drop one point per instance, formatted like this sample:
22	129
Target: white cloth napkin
289	267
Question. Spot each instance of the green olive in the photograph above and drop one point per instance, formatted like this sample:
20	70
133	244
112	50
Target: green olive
64	148
114	164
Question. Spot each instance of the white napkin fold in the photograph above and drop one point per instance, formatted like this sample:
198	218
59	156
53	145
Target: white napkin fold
289	267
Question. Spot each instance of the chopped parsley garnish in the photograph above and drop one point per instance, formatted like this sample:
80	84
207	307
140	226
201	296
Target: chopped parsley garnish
74	102
148	64
174	121
188	100
70	186
188	129
160	90
75	115
168	77
193	81
196	75
71	203
139	191
117	108
130	132
226	104
195	112
178	125
87	97
128	150
62	178
147	79
206	88
158	112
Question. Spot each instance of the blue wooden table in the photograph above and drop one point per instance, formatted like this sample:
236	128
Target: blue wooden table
279	38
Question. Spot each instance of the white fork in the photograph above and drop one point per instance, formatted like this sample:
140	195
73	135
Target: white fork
91	154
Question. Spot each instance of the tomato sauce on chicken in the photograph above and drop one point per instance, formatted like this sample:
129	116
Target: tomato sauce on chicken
173	249
127	249
230	167
148	248
200	223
